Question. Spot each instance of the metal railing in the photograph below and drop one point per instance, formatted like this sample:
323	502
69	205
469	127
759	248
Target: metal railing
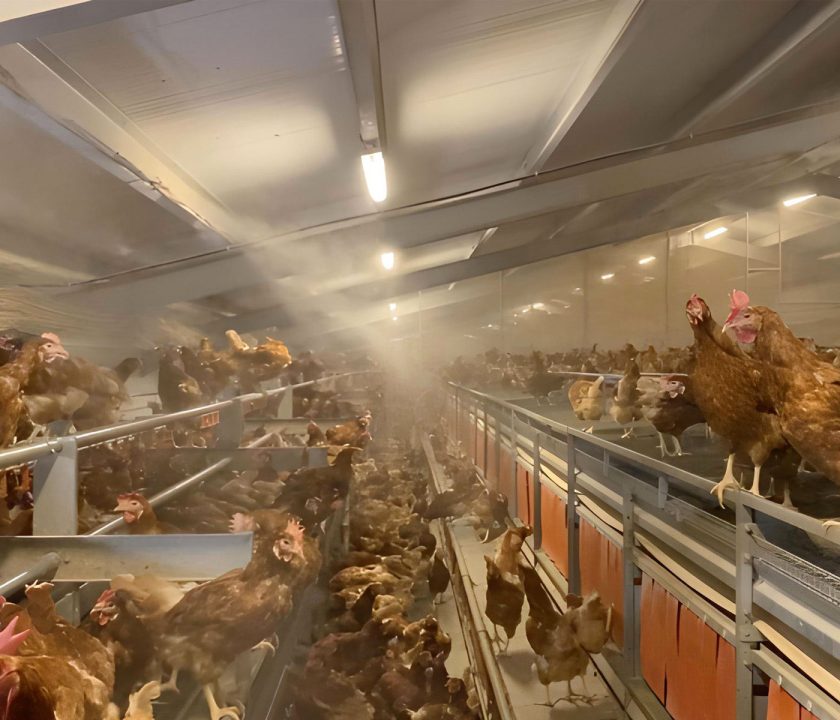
650	511
27	452
55	483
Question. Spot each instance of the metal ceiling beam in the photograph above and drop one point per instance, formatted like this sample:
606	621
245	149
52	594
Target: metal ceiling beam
725	152
603	56
29	19
803	23
361	44
644	224
477	266
615	37
111	139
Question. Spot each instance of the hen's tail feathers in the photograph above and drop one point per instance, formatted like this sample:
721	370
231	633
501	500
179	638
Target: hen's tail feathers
128	367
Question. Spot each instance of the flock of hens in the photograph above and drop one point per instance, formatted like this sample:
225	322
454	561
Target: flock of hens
141	627
772	397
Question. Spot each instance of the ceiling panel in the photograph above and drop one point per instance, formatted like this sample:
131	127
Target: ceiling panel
679	49
253	99
62	218
469	85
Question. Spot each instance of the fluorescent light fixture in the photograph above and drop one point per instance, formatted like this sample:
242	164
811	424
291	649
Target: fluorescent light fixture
392	306
790	202
714	233
387	260
647	260
538	306
394	318
524	310
373	165
607	276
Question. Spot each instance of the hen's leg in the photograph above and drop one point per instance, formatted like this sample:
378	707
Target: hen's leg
172	683
590	429
663	448
729	480
629	433
678	451
216	712
786	502
755	489
828	524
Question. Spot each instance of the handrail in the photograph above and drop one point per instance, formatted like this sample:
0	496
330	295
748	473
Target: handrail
661	468
46	567
27	452
779	584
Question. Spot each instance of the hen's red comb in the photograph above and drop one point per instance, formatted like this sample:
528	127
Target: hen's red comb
295	529
739	300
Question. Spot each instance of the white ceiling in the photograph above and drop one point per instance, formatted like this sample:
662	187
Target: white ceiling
139	149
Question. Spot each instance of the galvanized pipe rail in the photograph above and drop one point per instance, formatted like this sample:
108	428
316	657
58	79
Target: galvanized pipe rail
645	509
27	452
62	493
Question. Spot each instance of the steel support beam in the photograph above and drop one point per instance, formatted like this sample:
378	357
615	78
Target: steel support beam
64	104
22	20
613	39
720	153
801	24
361	43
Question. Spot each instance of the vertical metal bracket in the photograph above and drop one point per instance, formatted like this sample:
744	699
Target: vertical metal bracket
497	424
746	635
231	425
514	464
55	486
457	418
662	492
285	410
632	590
571	516
537	521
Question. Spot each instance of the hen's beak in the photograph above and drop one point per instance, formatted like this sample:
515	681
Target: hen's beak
725	327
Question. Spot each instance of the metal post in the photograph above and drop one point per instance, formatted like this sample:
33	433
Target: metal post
571	516
457	418
484	449
513	463
497	423
537	521
55	488
746	634
285	410
632	589
231	425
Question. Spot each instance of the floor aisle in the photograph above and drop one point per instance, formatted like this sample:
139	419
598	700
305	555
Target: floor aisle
516	665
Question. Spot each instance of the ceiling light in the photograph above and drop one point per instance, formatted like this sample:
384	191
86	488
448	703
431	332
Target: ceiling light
647	260
394	318
790	202
525	309
538	306
714	233
373	165
607	276
577	291
387	260
392	306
